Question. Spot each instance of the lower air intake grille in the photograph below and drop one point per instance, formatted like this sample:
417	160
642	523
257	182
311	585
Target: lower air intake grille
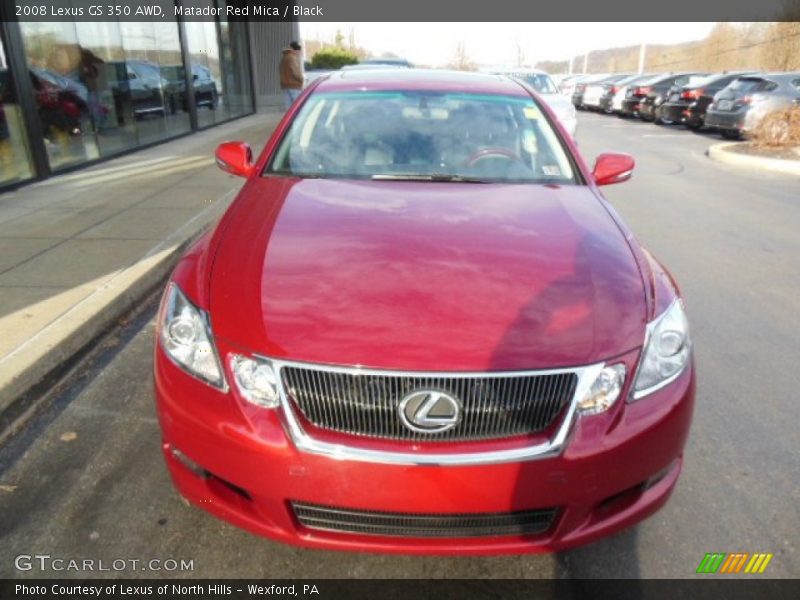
527	522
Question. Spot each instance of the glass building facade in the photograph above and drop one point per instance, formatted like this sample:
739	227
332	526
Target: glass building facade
73	93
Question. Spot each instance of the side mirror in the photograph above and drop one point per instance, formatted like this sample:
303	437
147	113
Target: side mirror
612	167
235	158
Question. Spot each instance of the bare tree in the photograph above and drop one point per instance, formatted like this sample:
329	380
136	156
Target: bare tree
781	52
461	60
520	55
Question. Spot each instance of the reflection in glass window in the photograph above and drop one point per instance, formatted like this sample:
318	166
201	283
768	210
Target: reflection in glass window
220	67
103	88
156	79
15	162
61	73
201	39
235	68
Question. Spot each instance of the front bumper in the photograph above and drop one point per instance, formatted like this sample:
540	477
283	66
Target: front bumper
616	469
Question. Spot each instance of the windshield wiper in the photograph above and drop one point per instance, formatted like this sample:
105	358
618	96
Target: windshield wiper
437	177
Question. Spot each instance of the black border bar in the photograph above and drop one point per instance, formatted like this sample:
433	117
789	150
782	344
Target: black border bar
713	587
409	10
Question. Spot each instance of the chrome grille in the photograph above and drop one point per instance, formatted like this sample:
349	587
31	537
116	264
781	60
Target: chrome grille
327	518
366	404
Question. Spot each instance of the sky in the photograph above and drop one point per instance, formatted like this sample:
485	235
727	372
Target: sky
435	44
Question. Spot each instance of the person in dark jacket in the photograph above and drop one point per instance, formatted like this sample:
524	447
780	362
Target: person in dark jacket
291	71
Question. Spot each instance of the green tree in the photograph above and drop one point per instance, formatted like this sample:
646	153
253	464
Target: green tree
333	58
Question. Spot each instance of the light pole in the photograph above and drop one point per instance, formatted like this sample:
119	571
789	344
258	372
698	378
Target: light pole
642	53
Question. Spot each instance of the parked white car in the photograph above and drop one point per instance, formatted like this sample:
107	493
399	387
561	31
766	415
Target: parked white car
543	84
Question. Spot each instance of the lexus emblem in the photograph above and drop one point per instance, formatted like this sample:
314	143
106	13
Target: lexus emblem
429	411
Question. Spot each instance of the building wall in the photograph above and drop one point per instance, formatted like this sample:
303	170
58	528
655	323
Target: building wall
267	41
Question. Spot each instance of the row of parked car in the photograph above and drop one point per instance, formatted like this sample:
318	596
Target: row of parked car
732	103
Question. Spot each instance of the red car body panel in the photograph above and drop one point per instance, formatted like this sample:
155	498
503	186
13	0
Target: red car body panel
423	277
426	276
599	492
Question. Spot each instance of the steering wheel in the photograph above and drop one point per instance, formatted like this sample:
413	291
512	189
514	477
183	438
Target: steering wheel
495	152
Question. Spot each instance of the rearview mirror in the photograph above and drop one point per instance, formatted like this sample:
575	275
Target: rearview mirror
235	158
613	167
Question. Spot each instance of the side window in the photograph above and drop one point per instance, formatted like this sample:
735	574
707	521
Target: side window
681	80
796	84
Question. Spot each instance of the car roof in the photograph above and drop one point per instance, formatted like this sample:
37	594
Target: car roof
636	77
420	79
713	77
616	77
526	70
780	75
665	76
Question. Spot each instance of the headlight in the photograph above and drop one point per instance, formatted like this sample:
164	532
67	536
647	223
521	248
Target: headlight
666	352
604	391
256	381
186	338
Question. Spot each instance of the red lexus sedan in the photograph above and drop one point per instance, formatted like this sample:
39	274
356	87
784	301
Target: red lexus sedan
421	328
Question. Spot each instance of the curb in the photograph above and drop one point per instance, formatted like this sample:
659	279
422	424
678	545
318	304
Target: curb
46	356
721	153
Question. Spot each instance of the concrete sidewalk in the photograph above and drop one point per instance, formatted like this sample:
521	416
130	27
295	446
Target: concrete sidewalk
79	250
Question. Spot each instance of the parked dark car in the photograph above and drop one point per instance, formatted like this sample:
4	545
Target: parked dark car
688	104
205	87
580	88
635	94
138	87
611	91
655	92
740	106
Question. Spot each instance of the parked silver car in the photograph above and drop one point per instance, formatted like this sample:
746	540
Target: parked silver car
543	84
740	106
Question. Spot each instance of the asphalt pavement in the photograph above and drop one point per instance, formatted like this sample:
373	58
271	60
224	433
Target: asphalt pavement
86	478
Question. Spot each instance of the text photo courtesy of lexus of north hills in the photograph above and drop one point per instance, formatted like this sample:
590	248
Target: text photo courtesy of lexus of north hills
374	299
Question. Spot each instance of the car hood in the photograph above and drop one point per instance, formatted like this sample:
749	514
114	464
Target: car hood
425	276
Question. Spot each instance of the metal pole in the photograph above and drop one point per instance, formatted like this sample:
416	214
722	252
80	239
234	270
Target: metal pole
642	53
570	65
585	62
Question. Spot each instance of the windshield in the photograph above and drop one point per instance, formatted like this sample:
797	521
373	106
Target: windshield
422	135
744	84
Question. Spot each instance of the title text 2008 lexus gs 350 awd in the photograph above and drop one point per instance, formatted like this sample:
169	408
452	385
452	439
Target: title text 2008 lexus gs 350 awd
421	328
